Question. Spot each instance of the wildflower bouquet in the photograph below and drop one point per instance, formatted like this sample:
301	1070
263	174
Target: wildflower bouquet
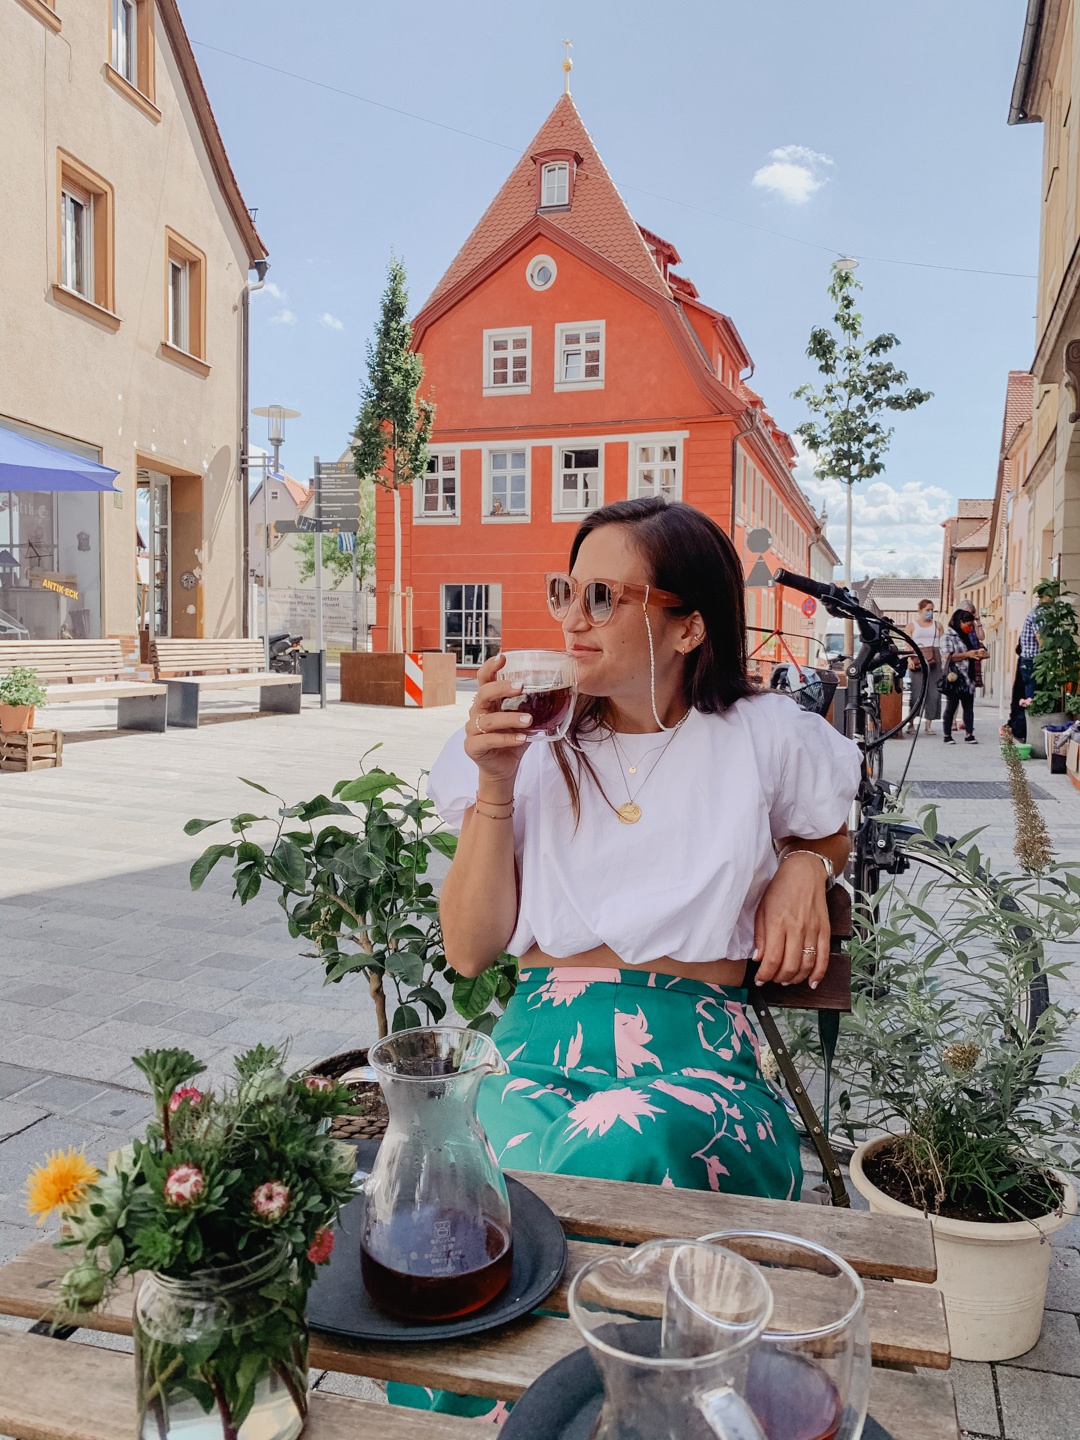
228	1203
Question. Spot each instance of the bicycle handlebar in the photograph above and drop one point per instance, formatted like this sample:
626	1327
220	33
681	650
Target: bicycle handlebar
827	592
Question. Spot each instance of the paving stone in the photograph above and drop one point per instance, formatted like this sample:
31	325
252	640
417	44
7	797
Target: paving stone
99	1003
224	960
198	1022
13	1079
57	1024
1058	1347
21	1153
61	1095
1038	1406
117	1109
976	1406
15	1116
147	1012
1063	1292
38	995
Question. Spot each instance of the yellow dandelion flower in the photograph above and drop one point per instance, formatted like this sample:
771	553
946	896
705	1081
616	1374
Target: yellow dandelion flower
58	1184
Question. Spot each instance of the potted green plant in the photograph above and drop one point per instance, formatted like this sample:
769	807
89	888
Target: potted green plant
359	893
20	694
890	700
1056	697
227	1205
964	1113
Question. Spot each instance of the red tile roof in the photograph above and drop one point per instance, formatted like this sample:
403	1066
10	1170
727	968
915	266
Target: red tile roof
598	216
974	509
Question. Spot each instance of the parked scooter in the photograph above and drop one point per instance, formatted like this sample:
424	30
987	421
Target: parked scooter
285	653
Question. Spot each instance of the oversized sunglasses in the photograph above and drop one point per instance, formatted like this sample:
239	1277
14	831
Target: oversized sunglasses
600	597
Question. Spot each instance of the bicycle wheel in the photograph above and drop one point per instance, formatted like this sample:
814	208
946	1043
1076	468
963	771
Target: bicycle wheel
942	887
870	737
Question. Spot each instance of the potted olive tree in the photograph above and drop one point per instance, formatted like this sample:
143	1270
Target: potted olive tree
19	695
950	1074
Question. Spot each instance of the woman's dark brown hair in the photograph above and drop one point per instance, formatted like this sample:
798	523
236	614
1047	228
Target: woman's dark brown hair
683	551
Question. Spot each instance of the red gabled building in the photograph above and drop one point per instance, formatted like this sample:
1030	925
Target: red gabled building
571	366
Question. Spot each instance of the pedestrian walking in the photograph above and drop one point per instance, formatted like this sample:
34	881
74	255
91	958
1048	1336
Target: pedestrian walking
928	633
962	672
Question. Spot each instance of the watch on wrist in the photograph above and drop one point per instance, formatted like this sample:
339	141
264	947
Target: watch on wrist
789	850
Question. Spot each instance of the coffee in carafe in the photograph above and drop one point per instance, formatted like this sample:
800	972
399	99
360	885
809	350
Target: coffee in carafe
436	1240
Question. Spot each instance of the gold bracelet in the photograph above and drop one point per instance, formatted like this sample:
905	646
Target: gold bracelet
488	815
495	804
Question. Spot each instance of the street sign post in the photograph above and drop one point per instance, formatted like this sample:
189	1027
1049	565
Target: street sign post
337	496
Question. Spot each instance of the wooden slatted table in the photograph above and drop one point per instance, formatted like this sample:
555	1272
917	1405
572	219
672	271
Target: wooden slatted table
55	1390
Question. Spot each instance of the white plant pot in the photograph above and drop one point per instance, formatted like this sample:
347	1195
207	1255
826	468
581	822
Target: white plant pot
992	1277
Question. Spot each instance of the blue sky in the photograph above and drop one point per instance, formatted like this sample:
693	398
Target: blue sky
874	130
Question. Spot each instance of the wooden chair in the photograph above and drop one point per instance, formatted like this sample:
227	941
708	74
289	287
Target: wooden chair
830	1000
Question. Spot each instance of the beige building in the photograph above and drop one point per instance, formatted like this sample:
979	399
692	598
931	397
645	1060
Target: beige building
963	558
1047	84
899	597
125	251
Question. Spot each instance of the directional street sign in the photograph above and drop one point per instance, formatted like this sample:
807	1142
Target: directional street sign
303	524
337	496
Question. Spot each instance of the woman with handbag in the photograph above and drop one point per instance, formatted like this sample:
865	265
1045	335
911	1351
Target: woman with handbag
927	632
961	674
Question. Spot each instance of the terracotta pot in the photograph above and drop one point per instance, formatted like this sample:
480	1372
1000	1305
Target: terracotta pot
992	1276
16	717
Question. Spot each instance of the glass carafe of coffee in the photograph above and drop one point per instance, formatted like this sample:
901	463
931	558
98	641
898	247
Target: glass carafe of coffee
435	1239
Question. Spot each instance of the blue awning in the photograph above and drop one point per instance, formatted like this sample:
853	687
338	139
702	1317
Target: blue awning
29	465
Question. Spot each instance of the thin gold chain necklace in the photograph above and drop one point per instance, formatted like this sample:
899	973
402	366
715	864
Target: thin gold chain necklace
630	812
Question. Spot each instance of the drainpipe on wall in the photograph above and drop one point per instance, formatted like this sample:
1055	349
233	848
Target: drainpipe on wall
260	267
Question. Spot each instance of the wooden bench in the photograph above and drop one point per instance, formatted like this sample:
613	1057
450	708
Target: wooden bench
53	1391
190	666
74	670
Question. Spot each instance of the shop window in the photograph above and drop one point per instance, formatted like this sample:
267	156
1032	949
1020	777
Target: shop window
579	356
656	471
579	481
506	361
472	622
84	251
131	54
439	493
185	300
508	488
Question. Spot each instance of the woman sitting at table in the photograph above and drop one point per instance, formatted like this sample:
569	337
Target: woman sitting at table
684	825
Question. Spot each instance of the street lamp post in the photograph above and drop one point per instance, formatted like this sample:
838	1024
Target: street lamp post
275	417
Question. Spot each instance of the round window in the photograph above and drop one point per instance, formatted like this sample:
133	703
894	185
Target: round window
541	272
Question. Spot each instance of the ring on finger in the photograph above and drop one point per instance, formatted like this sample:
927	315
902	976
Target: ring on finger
478	729
809	950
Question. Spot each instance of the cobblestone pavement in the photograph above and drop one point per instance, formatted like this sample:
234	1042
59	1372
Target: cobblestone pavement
104	950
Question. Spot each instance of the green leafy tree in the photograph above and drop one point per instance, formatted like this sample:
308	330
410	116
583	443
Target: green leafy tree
1057	665
848	439
339	562
395	422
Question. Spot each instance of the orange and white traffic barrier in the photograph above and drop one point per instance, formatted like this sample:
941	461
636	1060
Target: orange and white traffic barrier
414	680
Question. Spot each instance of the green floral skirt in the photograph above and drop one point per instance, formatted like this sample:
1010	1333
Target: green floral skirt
630	1075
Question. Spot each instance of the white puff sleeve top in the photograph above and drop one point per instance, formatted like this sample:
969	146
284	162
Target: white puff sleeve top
686	879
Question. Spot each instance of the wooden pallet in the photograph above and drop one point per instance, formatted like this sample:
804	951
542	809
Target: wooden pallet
31	749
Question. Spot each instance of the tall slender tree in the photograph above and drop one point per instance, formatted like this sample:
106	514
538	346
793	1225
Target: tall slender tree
394	425
849	441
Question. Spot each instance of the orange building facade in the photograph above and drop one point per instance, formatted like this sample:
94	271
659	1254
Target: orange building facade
571	367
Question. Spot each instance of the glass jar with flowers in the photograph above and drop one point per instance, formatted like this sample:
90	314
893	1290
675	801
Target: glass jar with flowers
227	1205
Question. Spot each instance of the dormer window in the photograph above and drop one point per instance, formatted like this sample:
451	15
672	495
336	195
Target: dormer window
555	184
556	172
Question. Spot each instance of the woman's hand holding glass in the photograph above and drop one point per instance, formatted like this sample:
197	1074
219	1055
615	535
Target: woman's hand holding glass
495	739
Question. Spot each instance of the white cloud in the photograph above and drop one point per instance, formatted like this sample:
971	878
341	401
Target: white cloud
269	288
794	173
331	321
893	527
283	317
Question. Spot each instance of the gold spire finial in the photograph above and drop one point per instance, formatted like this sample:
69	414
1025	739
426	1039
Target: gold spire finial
567	66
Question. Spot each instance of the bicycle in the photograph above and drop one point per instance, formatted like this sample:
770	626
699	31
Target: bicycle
893	862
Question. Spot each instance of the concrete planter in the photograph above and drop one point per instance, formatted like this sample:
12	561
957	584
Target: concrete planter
992	1277
426	678
1035	725
16	717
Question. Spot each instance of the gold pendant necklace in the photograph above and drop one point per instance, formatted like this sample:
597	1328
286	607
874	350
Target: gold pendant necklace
630	812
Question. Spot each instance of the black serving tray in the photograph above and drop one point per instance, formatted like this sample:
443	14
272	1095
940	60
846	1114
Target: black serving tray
563	1403
339	1304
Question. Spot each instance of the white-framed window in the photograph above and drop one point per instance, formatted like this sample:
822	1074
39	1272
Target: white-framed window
555	184
579	356
125	38
179	303
437	493
541	271
77	240
507	485
579	479
472	622
506	361
656	470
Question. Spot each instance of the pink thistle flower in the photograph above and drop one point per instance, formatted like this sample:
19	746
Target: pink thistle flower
321	1248
183	1185
188	1093
271	1201
318	1084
